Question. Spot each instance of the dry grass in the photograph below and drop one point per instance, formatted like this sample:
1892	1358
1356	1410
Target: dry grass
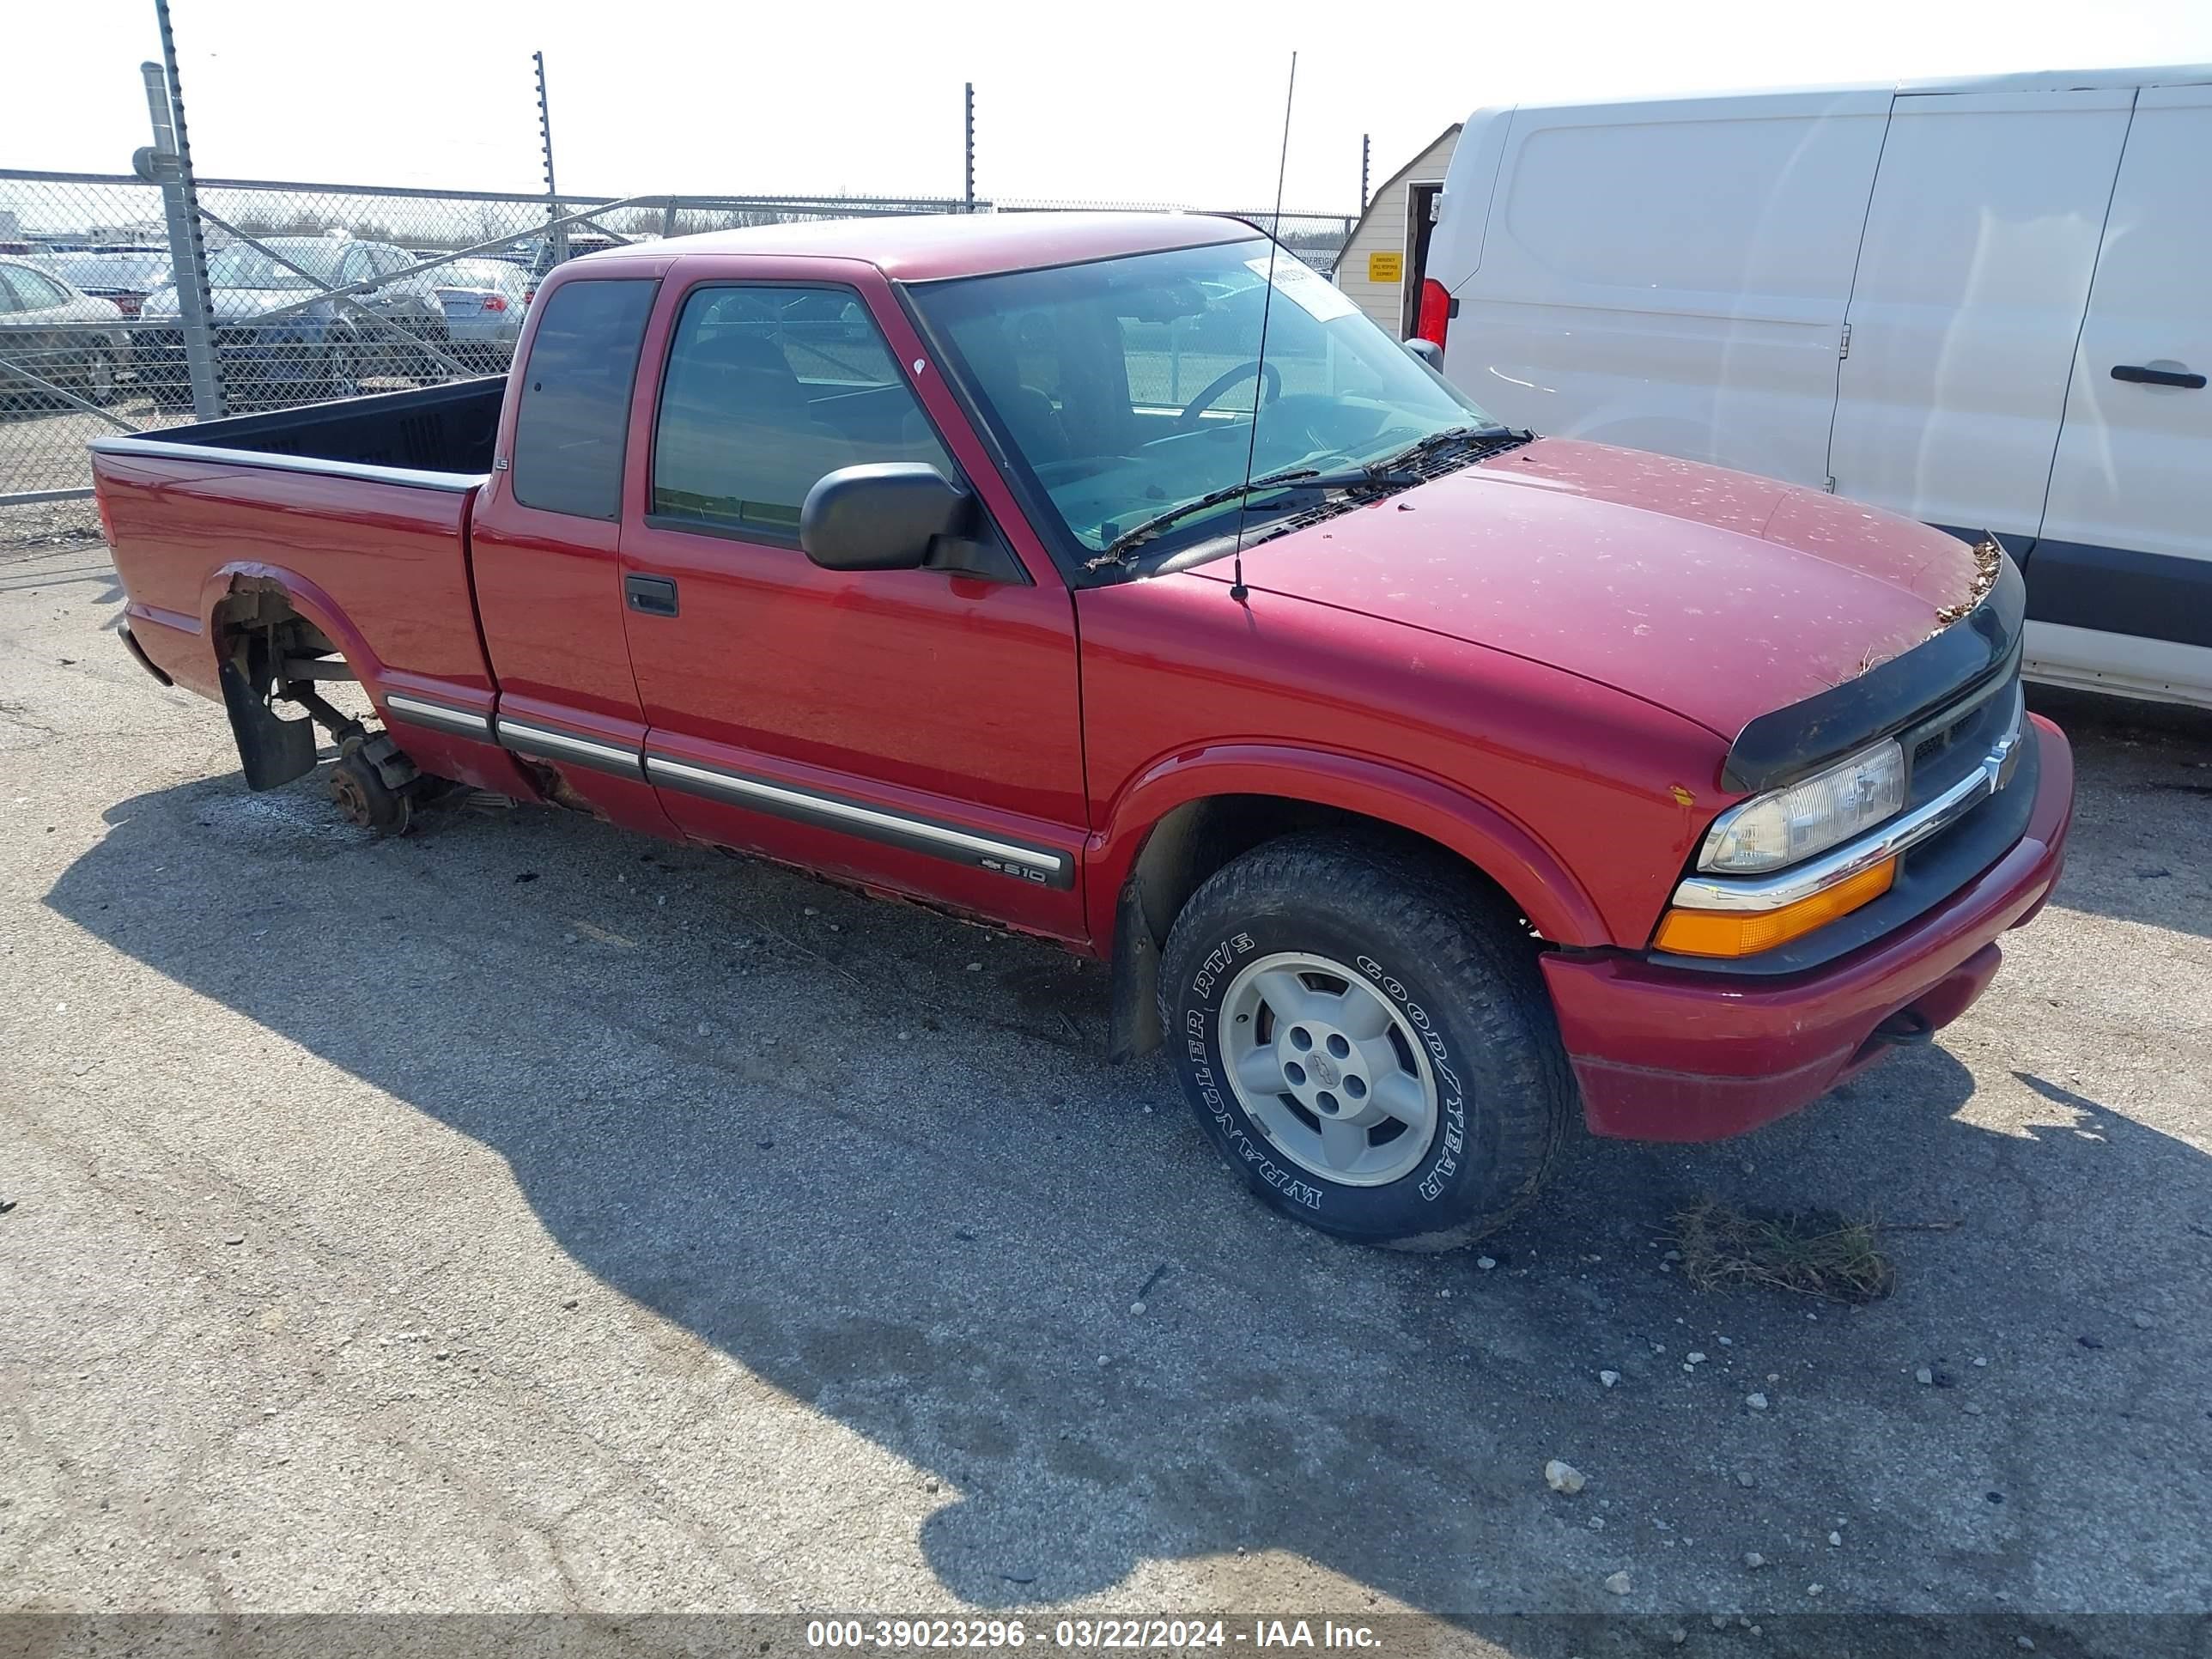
1812	1252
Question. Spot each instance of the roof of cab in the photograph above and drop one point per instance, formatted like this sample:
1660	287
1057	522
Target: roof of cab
927	247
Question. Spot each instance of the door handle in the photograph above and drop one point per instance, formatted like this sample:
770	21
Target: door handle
653	595
2138	374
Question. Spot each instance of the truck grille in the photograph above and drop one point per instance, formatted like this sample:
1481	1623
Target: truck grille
1953	743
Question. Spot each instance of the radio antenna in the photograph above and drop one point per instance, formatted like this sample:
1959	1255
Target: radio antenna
1237	591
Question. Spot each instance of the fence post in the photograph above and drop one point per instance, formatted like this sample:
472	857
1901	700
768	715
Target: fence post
967	147
169	164
556	233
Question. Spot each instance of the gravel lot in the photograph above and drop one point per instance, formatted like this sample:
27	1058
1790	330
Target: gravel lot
519	1216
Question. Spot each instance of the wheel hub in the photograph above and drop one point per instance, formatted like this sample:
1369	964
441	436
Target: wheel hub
352	800
1328	1068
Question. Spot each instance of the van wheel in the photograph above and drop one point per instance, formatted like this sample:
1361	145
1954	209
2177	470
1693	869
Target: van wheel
1365	1038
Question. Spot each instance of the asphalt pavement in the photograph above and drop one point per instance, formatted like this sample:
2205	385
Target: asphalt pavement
518	1216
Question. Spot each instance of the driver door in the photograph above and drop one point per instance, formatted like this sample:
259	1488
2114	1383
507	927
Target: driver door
916	731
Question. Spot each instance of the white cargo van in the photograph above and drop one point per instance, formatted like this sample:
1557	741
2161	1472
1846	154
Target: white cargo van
1985	303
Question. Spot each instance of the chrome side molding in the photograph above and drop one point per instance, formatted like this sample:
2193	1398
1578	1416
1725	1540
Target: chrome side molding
420	711
545	743
1023	863
1040	866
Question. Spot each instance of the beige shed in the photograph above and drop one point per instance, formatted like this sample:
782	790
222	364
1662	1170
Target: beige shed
1380	270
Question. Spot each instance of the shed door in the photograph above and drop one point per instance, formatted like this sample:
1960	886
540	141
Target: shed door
1972	278
1420	228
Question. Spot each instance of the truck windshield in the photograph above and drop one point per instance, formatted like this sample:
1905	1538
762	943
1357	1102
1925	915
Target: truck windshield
1131	386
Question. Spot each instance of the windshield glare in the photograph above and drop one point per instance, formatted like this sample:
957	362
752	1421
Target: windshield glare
1127	385
241	266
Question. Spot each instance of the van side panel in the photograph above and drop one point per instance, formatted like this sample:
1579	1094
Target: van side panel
2119	587
1971	288
1463	209
1671	275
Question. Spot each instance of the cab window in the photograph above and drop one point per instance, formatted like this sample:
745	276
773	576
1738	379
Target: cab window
571	423
768	389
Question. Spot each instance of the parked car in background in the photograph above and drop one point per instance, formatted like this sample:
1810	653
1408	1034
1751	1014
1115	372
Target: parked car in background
545	255
320	349
125	278
484	302
50	331
1981	303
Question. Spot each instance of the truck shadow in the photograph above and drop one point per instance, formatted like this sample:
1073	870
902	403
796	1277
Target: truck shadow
873	1157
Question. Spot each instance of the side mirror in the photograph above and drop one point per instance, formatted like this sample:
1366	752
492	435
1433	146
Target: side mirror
1427	351
883	516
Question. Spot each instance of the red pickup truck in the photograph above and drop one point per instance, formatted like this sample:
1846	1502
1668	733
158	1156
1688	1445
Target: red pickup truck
1111	579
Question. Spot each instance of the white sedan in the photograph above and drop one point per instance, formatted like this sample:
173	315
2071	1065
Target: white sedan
54	332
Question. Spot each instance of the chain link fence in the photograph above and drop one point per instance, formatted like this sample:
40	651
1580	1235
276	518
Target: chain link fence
313	292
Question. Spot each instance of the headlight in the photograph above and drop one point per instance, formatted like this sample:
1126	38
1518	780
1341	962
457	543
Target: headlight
1807	819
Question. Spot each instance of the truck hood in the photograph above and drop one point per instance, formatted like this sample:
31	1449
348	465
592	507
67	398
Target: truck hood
1714	594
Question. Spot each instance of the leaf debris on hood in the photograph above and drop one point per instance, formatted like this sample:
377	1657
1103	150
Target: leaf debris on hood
1987	557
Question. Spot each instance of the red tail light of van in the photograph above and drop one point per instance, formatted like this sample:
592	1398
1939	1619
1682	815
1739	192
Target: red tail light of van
1435	319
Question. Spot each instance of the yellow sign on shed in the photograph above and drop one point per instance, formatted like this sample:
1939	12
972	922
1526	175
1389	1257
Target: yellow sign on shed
1386	267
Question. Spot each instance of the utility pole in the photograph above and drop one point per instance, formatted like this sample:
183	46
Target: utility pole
1363	173
969	147
557	234
169	163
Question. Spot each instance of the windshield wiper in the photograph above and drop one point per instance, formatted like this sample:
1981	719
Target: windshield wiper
1437	440
1383	473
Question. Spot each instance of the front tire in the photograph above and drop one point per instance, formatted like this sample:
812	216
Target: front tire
1365	1038
101	376
341	374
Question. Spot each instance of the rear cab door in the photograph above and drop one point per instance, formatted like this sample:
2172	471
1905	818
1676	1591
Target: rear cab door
2119	587
546	541
917	731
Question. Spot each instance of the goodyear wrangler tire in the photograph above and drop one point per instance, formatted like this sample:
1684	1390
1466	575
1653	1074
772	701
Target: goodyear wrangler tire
1364	1034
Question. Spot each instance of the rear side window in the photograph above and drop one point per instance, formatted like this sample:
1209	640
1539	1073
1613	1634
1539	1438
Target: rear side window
33	291
767	390
569	425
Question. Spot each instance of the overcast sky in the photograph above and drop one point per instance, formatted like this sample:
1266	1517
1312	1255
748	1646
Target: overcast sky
1127	100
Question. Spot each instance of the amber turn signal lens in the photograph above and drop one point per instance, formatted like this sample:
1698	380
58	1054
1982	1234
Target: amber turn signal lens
1746	933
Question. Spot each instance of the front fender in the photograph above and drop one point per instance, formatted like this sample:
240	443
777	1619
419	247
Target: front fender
1508	851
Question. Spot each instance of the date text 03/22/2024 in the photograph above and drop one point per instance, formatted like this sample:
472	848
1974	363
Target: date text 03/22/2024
1164	1634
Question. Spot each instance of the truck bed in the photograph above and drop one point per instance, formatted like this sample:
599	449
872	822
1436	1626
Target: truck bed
446	430
358	508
